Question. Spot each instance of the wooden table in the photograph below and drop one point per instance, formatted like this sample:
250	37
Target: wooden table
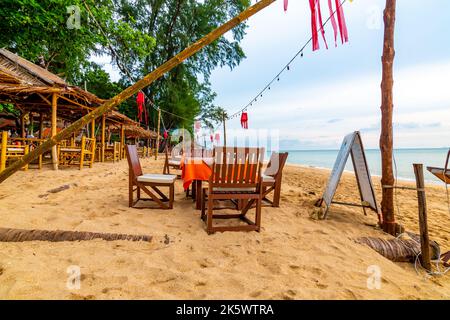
194	171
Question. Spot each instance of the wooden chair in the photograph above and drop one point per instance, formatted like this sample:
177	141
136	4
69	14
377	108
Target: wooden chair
236	175
271	178
442	173
174	161
11	152
142	181
74	155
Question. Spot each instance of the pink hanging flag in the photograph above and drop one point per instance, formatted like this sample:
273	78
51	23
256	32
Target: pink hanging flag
333	21
341	21
316	23
286	5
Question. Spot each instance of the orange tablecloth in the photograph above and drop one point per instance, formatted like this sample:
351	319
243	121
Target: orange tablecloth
194	169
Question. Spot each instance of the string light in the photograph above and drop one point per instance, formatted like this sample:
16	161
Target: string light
287	67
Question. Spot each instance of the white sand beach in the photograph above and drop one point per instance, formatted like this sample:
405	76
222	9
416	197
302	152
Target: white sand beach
295	256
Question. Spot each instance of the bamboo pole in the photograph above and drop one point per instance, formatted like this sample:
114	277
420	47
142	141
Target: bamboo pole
386	138
157	134
103	138
141	84
55	159
3	150
423	223
122	141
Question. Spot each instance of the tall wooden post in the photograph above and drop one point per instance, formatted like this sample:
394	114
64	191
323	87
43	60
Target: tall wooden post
122	141
157	134
144	82
386	138
55	159
41	125
3	150
103	138
224	117
22	124
423	223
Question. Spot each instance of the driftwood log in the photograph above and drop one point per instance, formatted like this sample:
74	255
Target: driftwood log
21	235
399	250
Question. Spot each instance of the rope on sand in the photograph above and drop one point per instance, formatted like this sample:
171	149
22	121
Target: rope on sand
21	235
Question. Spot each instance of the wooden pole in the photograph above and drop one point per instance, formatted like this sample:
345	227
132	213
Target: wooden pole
224	117
3	150
55	159
157	134
423	223
103	138
122	141
141	84
41	125
22	124
386	138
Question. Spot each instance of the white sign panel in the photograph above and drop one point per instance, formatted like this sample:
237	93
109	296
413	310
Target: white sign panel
352	145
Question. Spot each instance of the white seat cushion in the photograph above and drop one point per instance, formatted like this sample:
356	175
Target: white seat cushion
234	189
157	178
266	178
70	150
15	149
174	162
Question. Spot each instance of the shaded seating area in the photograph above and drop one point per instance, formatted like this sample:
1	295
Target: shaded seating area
47	104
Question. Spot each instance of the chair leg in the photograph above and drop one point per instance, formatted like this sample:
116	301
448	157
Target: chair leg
171	195
138	193
276	195
203	203
130	194
209	221
258	214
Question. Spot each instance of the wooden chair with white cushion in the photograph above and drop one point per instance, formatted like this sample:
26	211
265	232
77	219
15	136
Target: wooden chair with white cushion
236	175
271	178
148	183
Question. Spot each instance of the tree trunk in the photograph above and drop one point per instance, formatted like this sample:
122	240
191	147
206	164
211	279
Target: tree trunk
386	138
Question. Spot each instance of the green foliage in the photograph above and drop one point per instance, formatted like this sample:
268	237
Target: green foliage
139	35
9	108
175	25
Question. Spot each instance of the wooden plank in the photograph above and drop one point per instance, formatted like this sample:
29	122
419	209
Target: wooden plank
423	223
141	84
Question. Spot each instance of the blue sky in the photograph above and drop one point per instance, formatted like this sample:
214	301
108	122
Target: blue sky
329	93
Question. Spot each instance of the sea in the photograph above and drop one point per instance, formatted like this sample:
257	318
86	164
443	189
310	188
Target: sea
404	159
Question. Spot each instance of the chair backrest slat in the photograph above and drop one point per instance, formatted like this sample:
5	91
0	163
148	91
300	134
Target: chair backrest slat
276	164
237	167
133	160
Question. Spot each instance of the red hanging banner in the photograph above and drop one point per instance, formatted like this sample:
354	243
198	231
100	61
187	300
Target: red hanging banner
244	120
140	100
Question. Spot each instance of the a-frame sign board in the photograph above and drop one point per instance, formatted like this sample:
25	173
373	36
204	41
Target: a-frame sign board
352	145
